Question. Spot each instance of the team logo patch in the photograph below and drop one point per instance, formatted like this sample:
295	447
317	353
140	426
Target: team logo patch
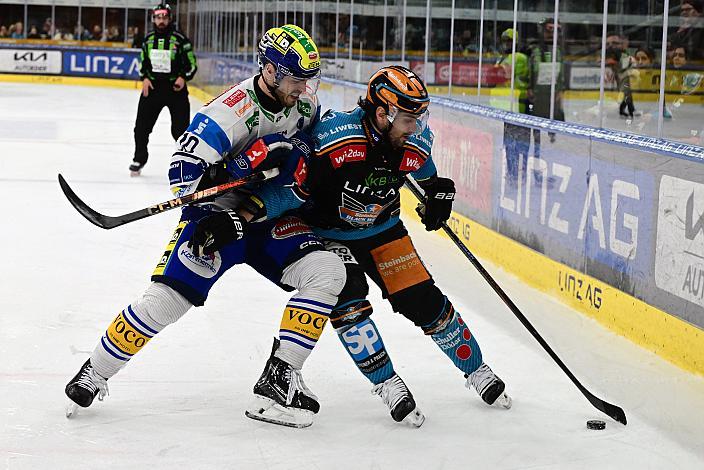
206	266
234	98
289	227
257	153
411	161
351	153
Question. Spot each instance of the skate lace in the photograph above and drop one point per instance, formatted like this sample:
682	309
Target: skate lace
391	391
482	378
297	384
90	380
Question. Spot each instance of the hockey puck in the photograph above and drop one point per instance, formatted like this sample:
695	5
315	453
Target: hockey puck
596	424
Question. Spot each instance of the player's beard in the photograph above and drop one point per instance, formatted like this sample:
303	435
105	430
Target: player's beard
285	99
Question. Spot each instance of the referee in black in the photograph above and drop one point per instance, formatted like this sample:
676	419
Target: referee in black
168	63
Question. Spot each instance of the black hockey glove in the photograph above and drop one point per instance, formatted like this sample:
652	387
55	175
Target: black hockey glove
215	231
438	203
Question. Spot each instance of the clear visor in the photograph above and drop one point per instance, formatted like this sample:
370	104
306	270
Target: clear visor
293	85
409	123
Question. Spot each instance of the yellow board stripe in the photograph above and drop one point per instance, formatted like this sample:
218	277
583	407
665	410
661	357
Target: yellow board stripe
651	328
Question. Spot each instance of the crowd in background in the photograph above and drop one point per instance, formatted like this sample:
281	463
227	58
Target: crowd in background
111	33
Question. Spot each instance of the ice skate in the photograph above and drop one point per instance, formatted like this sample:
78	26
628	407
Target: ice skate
83	389
281	396
489	386
400	401
136	168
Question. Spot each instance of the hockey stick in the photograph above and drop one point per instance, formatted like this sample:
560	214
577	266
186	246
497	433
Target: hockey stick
611	410
108	222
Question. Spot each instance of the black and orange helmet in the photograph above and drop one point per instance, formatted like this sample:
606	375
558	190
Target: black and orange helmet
397	87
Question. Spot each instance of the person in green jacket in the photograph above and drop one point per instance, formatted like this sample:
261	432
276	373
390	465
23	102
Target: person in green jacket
168	62
516	138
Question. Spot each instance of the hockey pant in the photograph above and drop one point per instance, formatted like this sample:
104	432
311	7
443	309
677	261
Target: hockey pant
285	251
391	261
148	111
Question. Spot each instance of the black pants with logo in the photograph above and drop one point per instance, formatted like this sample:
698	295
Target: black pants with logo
148	111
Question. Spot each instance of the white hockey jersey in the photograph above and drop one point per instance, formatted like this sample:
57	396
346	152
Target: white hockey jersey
228	125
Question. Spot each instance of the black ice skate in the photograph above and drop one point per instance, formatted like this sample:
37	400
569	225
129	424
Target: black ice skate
400	401
136	168
281	396
489	386
84	387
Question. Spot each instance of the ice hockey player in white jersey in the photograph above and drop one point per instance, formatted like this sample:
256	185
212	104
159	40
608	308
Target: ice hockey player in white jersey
242	131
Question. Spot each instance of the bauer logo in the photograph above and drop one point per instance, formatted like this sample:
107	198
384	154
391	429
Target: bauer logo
679	260
206	266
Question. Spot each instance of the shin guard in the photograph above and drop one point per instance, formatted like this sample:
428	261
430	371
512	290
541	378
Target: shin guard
454	339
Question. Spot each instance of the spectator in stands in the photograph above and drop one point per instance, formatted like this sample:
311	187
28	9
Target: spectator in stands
516	138
138	38
691	32
4	33
644	57
114	34
81	33
539	85
622	64
18	31
679	57
465	45
33	33
47	29
97	33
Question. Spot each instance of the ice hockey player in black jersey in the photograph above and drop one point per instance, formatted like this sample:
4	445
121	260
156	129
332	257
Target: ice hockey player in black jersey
353	181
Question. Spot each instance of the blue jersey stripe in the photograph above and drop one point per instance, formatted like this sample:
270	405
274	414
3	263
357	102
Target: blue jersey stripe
294	340
210	132
105	347
136	319
311	302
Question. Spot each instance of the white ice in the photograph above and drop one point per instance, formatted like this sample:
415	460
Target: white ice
180	402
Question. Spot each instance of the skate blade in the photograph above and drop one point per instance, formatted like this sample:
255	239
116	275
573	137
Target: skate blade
504	401
71	410
415	418
268	411
135	173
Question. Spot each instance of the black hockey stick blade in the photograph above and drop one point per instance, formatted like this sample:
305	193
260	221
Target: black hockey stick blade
107	222
605	407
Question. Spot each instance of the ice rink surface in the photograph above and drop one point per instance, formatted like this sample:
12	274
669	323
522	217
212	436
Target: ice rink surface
180	402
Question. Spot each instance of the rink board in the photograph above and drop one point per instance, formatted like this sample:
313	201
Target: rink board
576	271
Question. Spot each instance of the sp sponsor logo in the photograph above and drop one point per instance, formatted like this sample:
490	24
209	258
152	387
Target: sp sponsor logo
289	227
411	161
234	98
351	153
362	340
206	266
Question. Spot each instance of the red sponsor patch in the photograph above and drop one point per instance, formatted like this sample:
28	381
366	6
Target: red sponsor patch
234	98
351	153
256	153
312	55
289	227
301	172
411	161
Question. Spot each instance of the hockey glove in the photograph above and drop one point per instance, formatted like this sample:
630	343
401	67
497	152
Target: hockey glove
438	203
264	154
215	231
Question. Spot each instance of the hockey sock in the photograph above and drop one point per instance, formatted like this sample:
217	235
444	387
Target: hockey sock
454	339
132	329
319	277
364	344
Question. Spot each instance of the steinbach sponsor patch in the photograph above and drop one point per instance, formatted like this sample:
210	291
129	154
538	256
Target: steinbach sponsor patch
411	161
351	153
234	98
289	227
399	265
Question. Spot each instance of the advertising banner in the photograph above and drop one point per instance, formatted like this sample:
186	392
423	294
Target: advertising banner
589	207
34	61
463	73
465	154
106	64
679	263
